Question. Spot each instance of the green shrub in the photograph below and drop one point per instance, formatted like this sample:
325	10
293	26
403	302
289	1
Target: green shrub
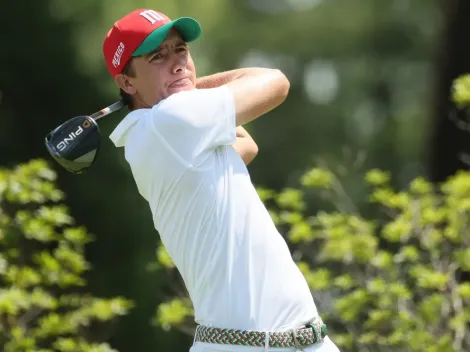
44	305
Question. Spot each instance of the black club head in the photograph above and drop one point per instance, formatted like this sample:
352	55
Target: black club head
75	143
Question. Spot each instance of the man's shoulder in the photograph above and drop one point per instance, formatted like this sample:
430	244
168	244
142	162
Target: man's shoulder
119	134
186	99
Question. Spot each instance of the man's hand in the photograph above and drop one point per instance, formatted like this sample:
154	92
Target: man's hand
245	145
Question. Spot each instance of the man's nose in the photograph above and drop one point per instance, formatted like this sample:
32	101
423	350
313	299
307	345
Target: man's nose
179	64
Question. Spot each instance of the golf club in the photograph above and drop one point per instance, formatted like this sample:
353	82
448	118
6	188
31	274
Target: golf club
76	142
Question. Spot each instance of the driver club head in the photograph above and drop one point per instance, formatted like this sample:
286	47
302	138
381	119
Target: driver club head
75	143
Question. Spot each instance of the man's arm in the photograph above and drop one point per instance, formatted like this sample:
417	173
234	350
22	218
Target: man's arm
219	79
256	90
245	145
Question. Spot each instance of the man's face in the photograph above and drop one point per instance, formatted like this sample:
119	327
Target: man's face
167	70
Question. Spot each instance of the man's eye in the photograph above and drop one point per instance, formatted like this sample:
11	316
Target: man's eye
156	57
181	49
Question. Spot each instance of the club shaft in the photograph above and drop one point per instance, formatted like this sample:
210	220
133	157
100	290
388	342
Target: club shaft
108	110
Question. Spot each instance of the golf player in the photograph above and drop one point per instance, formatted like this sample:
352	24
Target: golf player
187	150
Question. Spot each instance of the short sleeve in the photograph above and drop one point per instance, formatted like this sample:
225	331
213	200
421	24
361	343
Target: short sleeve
196	121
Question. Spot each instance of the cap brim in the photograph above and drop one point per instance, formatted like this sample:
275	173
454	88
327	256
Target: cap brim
189	28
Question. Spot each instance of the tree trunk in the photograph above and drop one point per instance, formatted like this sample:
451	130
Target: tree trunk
450	143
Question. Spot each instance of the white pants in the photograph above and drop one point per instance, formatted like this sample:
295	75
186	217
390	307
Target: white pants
326	346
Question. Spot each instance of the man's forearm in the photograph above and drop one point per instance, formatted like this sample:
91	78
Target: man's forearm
221	78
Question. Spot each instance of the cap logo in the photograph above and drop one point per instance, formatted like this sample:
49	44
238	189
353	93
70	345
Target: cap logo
118	54
152	16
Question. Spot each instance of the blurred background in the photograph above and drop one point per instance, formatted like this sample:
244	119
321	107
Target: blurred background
370	88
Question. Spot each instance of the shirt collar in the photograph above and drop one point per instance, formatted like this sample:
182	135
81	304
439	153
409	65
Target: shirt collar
118	136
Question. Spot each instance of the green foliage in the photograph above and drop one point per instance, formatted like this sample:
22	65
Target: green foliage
405	293
394	279
43	305
174	312
461	90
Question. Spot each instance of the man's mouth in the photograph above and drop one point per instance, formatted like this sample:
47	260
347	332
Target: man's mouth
180	83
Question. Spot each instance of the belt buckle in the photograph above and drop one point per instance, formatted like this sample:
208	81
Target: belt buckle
316	324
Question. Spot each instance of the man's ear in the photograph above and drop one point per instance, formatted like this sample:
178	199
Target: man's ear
125	84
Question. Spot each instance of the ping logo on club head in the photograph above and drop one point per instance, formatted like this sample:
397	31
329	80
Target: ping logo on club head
72	135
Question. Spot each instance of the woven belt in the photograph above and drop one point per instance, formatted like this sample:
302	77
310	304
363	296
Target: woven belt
312	333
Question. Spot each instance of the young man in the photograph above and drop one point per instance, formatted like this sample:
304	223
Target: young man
187	150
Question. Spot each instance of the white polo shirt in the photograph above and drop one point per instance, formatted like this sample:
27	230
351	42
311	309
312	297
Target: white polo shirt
236	266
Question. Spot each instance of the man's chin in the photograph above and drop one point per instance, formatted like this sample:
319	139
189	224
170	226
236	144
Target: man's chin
174	90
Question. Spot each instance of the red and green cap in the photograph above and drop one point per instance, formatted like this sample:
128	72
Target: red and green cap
139	33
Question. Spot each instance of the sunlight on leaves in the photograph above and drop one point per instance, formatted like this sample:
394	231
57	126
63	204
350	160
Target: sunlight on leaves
43	263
